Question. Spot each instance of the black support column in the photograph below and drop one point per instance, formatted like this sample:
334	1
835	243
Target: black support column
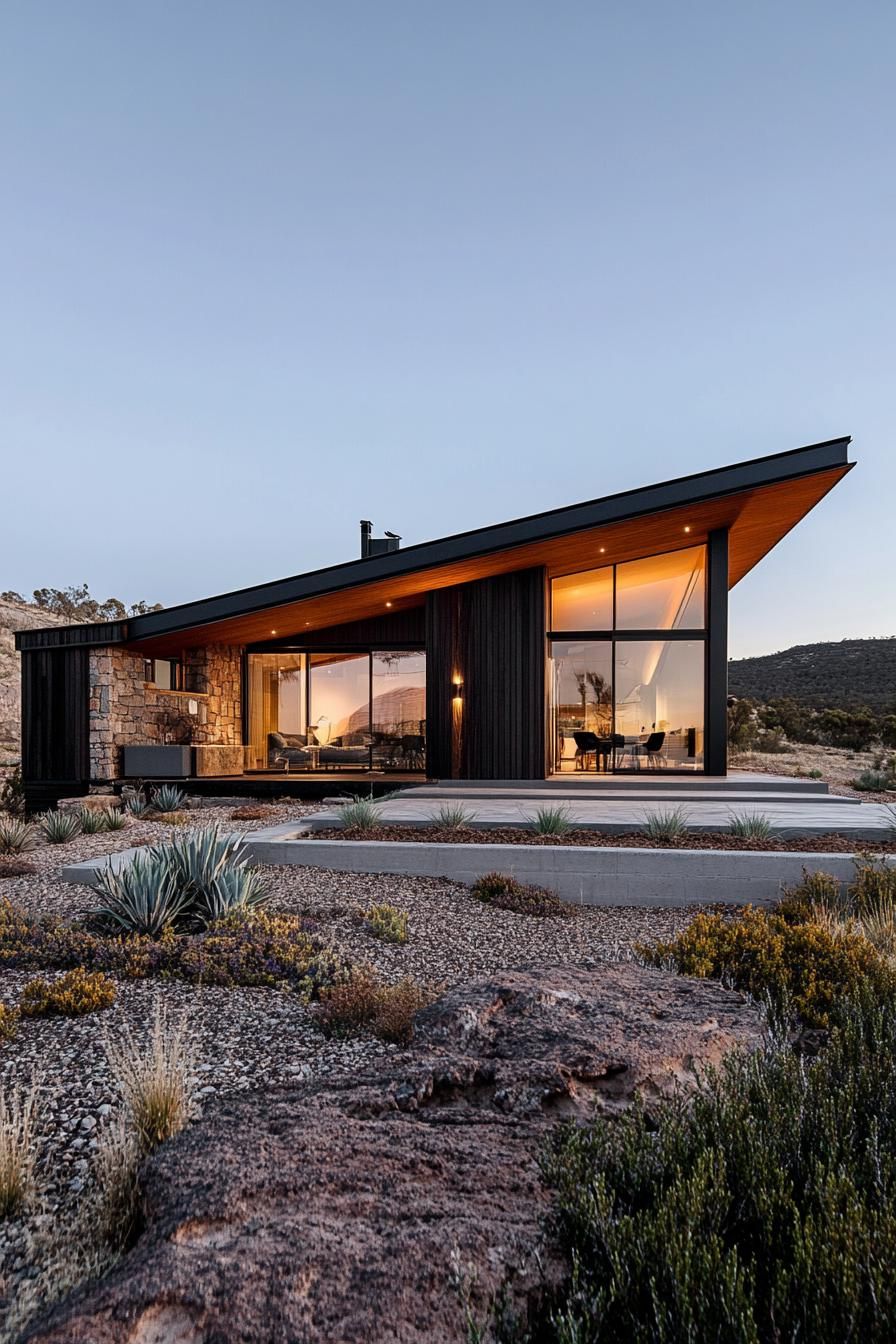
716	734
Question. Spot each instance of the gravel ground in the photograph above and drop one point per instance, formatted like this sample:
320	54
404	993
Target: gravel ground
835	765
257	1038
581	837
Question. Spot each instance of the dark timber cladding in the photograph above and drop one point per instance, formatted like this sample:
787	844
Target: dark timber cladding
55	723
491	635
716	731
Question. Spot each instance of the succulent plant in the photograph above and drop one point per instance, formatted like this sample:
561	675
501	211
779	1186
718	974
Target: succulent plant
143	896
60	827
168	798
666	824
235	890
452	817
553	821
91	821
16	835
361	814
113	819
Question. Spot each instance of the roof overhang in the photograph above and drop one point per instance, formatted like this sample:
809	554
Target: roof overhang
757	501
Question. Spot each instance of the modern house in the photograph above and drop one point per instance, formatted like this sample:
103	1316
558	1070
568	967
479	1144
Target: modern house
587	638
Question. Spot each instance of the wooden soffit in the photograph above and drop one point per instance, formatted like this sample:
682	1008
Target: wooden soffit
757	519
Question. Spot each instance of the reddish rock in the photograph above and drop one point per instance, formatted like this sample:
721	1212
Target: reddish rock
368	1211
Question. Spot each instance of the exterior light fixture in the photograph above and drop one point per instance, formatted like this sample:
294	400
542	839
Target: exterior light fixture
457	689
273	632
687	529
603	550
388	604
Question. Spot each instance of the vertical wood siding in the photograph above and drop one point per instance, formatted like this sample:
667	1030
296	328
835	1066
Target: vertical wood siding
491	633
55	723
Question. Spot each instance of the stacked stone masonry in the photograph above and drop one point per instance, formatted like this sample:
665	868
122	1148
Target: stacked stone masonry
125	710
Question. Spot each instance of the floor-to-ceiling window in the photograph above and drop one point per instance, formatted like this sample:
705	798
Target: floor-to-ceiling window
627	665
332	709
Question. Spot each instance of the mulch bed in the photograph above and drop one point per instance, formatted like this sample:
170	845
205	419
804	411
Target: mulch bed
510	835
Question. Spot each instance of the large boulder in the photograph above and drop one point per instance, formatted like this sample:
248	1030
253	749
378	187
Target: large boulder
399	1206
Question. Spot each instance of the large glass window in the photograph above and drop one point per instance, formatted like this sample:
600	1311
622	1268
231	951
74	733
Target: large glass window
581	703
658	702
583	601
662	592
320	711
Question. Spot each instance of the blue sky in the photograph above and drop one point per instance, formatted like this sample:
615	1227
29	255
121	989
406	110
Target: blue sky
267	269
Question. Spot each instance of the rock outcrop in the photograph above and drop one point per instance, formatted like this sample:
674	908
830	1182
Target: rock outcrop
388	1207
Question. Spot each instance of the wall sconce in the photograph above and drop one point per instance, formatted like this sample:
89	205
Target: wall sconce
457	690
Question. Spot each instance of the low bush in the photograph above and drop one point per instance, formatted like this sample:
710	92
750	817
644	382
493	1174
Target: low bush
60	827
114	819
666	825
92	820
255	949
18	1111
387	922
248	814
154	1078
16	836
12	794
507	893
815	892
114	1214
874	781
12	867
9	1020
360	1002
361	814
171	818
553	821
761	1210
74	994
138	805
793	965
452	817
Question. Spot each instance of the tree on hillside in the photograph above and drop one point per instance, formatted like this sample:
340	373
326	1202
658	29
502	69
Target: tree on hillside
76	604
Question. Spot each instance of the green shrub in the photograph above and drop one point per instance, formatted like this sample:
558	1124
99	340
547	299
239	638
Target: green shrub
16	836
816	774
60	827
666	824
507	893
816	891
12	794
360	1002
798	965
387	922
452	817
18	1116
874	781
874	882
761	1210
553	821
361	814
9	1018
138	805
168	798
113	819
74	994
750	825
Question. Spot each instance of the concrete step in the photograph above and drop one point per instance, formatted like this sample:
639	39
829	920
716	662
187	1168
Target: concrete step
635	783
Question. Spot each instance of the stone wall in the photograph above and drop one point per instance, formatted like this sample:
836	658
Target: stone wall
125	710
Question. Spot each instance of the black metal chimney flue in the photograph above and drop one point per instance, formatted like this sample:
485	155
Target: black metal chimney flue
371	545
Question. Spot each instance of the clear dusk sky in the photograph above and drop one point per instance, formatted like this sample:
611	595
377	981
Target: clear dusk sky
268	268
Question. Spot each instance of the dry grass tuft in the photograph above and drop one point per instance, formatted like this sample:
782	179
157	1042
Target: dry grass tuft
362	1002
117	1199
17	1116
154	1078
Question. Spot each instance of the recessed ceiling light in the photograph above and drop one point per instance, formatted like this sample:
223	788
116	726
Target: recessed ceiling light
603	550
388	604
273	632
687	529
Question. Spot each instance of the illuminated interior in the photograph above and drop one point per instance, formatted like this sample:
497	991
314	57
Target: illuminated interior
627	698
332	710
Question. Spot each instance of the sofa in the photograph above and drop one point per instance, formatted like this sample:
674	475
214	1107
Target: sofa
293	749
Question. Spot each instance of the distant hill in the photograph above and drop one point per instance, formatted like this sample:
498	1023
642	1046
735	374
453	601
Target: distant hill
825	676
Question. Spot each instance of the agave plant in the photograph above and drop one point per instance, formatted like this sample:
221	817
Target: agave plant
168	798
16	835
91	821
750	825
141	897
235	890
59	827
553	821
138	805
199	856
113	819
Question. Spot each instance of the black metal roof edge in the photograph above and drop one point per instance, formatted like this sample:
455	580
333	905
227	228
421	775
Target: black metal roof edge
775	468
72	636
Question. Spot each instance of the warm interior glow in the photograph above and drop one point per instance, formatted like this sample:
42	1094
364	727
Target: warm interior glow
662	592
